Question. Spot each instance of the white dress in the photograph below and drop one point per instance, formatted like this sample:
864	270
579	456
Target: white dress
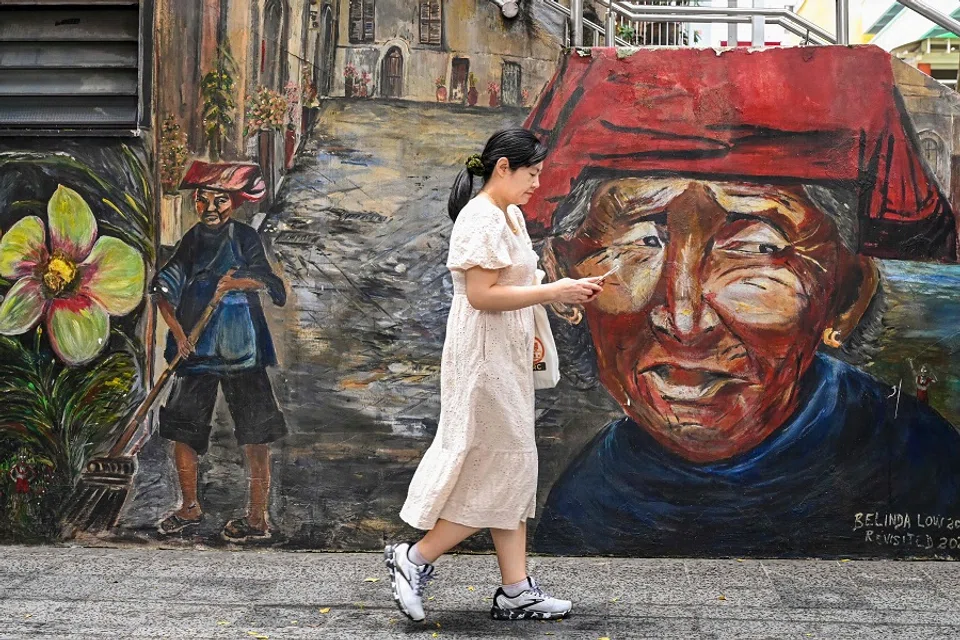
481	469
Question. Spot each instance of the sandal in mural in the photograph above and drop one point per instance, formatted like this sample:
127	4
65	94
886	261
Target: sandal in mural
239	530
174	524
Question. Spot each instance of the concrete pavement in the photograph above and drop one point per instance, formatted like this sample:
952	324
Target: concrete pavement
48	592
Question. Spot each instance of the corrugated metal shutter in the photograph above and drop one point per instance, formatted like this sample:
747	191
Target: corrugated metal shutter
69	66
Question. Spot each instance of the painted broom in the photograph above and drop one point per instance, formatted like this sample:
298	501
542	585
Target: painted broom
105	484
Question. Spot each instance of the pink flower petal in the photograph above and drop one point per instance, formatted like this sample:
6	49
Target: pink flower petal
22	248
79	328
22	307
73	229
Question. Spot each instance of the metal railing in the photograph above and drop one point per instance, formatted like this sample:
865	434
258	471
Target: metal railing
668	22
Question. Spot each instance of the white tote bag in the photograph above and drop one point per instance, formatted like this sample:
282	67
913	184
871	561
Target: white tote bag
546	362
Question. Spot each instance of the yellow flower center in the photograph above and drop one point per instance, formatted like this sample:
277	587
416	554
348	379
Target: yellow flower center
59	275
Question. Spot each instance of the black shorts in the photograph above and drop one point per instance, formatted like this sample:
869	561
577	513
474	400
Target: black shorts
188	411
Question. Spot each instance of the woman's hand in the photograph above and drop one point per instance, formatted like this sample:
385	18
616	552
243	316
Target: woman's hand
582	291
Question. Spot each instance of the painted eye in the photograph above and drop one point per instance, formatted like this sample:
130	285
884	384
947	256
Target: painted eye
652	241
757	238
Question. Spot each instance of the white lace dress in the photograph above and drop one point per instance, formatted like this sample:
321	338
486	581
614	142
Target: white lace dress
481	469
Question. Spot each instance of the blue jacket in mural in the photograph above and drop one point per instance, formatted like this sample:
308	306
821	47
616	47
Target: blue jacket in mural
845	476
237	337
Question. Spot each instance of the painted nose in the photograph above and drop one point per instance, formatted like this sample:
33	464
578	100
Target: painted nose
684	315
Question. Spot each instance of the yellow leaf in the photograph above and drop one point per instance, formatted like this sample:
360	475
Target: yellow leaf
471	588
431	598
438	625
615	600
604	638
294	622
739	559
325	610
223	623
436	635
371	579
721	597
845	560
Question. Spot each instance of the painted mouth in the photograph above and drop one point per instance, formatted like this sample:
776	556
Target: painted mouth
693	386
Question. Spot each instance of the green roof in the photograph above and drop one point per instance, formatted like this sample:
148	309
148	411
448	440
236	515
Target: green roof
940	32
886	18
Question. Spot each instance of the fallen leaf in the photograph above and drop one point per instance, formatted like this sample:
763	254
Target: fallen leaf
615	600
431	598
294	622
739	559
257	635
604	638
223	623
471	588
438	625
358	605
371	579
436	635
550	633
721	597
845	560
325	610
28	615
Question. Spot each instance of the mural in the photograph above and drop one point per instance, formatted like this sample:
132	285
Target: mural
750	298
252	355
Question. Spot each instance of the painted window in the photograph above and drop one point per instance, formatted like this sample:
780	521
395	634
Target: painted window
510	84
361	21
70	66
431	21
932	148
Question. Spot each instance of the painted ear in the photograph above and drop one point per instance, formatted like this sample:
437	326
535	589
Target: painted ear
572	313
853	303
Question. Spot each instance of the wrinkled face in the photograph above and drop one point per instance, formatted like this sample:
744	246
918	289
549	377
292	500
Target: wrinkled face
519	184
722	295
213	207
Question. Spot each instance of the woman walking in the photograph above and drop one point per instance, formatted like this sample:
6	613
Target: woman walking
481	470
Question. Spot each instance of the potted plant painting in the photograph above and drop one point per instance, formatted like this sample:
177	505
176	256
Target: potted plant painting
266	115
472	95
364	91
290	133
494	90
441	83
310	102
217	88
173	157
349	79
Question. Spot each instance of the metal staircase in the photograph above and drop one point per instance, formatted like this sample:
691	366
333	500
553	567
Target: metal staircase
668	22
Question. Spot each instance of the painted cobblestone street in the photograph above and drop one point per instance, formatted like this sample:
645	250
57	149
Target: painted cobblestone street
97	593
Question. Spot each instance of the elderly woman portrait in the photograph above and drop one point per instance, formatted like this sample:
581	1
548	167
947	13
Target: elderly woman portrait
746	230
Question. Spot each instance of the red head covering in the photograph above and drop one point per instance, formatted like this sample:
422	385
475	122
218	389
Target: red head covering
827	115
241	180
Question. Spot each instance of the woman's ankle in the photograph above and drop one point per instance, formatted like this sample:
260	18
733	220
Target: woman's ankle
416	556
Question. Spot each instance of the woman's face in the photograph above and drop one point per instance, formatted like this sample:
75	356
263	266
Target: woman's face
213	207
517	185
722	295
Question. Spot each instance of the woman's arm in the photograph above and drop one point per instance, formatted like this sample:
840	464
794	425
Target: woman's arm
485	294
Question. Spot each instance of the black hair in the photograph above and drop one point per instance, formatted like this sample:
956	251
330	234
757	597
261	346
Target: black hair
520	147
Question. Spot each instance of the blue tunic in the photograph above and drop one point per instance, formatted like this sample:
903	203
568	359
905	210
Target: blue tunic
843	477
237	337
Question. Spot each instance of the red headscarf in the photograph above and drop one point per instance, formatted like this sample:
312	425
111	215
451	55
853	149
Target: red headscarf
242	181
827	115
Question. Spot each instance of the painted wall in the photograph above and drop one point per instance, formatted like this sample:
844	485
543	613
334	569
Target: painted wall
752	384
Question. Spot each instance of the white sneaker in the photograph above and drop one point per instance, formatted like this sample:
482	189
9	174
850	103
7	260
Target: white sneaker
407	579
532	604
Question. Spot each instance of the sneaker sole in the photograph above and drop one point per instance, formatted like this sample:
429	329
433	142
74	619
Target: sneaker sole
388	554
522	614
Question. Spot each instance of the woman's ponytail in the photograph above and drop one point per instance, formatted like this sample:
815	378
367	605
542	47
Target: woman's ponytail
460	194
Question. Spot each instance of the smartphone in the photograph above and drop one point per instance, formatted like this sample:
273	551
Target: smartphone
609	273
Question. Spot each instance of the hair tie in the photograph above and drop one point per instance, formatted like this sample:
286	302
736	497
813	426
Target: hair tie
475	165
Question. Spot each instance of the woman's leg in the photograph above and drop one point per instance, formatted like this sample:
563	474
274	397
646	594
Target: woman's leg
444	536
511	546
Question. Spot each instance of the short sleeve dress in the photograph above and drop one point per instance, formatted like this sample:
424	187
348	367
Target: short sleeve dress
481	469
